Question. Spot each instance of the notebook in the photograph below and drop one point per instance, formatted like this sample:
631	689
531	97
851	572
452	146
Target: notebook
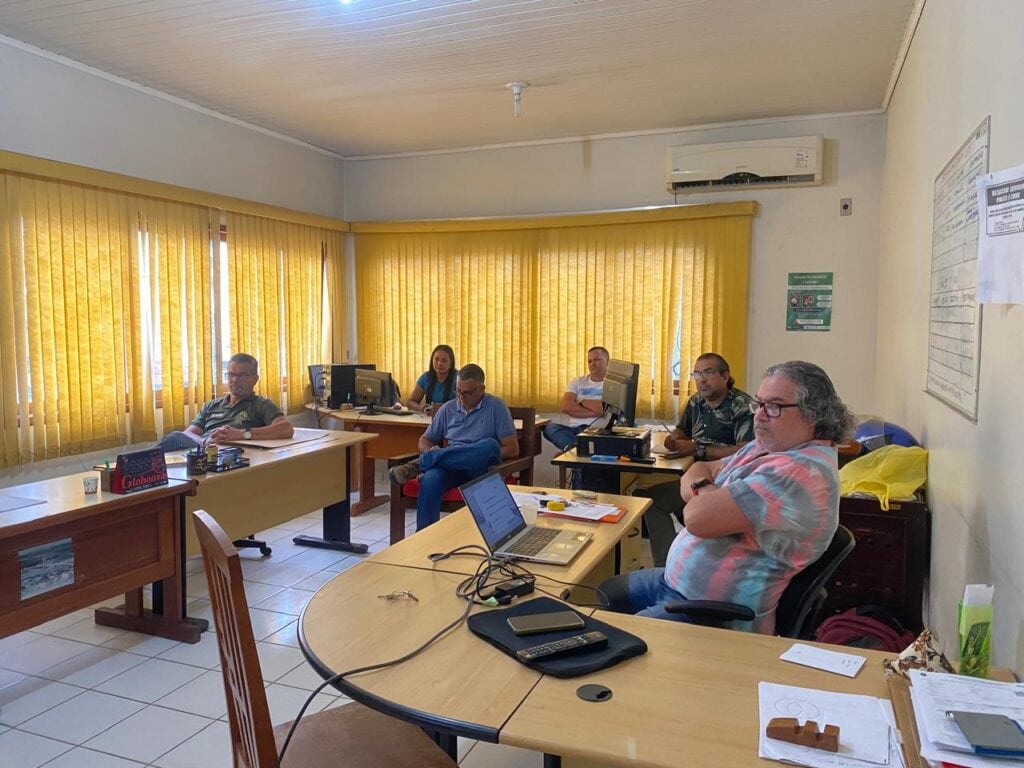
665	453
505	531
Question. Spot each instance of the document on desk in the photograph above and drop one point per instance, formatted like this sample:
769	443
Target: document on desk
847	664
574	509
866	735
300	435
934	695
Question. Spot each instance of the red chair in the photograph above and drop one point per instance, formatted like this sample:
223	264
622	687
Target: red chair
516	471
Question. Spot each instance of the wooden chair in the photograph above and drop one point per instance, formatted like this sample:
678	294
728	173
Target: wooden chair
350	735
403	496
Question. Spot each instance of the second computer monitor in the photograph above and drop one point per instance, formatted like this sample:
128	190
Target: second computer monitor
619	392
343	383
374	389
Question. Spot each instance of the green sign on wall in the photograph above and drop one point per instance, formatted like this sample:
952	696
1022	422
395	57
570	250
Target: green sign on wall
809	301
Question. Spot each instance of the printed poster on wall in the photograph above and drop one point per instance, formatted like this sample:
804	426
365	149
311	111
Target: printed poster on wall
1001	237
809	301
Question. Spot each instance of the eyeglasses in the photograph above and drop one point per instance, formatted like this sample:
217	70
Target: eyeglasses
771	410
246	375
705	373
466	392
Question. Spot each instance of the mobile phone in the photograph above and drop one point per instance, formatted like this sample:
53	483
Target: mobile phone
990	734
535	623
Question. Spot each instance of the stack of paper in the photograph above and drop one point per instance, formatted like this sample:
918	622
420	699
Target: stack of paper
574	509
867	736
934	695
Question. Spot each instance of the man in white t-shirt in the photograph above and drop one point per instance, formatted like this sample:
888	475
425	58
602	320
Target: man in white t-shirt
581	401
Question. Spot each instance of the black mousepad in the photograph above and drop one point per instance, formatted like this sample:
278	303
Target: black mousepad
493	627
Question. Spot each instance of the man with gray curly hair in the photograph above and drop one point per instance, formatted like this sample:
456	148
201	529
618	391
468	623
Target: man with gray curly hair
758	517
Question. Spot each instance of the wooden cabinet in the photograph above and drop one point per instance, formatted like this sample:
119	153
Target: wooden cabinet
889	565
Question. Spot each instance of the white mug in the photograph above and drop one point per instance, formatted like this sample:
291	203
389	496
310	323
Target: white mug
90	484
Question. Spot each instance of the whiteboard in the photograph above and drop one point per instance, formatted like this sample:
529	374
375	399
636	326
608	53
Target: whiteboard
954	315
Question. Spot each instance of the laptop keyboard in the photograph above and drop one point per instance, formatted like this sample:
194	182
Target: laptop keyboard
533	542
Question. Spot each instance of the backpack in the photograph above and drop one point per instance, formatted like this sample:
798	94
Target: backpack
867	626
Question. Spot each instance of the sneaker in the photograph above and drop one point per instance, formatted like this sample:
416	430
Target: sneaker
403	473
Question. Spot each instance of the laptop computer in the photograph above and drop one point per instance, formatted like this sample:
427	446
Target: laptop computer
505	531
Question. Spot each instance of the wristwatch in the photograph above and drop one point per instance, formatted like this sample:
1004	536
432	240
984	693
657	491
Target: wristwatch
695	487
700	453
247	434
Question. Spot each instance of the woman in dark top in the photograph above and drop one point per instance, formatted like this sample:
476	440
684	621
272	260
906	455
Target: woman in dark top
437	385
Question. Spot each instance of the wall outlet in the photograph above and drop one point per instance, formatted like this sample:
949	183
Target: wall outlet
846	206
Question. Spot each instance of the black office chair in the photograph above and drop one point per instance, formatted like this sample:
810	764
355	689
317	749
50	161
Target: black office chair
798	607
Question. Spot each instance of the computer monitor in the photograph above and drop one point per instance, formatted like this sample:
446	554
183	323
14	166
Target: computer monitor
316	382
374	389
343	383
619	394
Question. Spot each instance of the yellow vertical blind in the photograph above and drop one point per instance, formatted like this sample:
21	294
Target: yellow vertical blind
470	290
277	276
525	298
66	340
176	242
112	310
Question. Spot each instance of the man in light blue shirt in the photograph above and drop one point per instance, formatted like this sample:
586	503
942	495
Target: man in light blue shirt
479	430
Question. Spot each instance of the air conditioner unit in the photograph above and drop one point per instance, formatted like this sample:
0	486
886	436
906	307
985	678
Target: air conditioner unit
738	164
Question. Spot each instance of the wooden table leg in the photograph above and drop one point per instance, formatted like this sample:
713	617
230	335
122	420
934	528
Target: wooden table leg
365	481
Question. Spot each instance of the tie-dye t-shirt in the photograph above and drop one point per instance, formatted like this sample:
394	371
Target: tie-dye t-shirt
791	499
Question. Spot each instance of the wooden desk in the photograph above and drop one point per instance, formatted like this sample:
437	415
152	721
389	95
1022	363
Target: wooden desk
396	436
691	700
615	469
119	543
611	550
277	486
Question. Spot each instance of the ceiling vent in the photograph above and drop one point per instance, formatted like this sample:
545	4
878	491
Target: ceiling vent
793	162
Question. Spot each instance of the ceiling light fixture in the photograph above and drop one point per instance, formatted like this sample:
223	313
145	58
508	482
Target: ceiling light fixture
517	87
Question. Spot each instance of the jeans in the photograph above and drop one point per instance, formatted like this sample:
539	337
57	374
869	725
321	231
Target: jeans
177	441
563	436
445	468
648	593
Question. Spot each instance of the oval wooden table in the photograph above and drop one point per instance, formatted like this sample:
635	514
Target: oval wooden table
691	700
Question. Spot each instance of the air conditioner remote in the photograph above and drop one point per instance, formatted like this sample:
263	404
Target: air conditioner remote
586	641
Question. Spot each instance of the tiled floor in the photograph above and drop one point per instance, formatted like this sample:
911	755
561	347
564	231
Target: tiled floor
77	695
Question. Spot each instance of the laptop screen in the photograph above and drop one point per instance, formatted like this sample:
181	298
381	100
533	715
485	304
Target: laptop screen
493	508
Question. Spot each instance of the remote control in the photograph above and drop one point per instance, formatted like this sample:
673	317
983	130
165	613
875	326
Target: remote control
587	640
638	459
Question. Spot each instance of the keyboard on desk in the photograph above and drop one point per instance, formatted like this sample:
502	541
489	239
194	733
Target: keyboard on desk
533	542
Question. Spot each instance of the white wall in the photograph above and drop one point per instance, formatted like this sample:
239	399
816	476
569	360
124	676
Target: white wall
965	63
58	112
797	229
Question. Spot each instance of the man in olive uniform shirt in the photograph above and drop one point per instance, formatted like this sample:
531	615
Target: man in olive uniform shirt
715	423
240	415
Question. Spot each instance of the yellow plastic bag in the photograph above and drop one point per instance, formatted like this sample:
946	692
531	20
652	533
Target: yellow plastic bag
889	472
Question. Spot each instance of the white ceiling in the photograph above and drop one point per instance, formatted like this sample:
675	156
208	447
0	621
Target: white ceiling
389	76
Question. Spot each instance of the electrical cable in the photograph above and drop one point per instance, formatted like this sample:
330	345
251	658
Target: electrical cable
469	589
368	668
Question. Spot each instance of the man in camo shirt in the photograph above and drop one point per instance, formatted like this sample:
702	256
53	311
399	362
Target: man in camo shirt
715	423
